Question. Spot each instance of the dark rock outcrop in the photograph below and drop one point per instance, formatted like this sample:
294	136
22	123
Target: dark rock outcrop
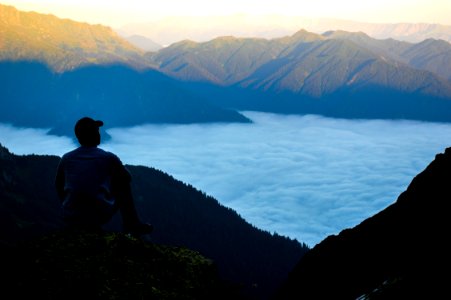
400	253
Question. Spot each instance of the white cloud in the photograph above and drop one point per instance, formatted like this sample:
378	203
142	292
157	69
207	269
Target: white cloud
304	177
33	141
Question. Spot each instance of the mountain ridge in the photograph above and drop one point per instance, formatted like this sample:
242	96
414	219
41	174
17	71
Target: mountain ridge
167	31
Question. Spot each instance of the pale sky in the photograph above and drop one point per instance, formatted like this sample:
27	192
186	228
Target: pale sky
117	13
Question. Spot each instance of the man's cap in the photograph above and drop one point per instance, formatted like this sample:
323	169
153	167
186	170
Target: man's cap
86	125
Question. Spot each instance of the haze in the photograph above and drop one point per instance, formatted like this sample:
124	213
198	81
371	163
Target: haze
118	13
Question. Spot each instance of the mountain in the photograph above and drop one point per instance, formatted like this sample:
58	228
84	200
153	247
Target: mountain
224	60
430	55
322	67
250	259
401	252
408	32
34	96
143	43
62	44
336	74
305	63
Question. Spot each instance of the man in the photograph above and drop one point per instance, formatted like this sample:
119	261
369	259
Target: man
93	184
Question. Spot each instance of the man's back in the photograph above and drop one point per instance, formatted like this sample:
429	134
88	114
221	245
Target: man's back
85	182
88	169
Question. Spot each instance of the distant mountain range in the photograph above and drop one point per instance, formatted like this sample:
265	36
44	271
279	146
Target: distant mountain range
253	260
338	74
143	43
296	63
401	252
174	29
55	71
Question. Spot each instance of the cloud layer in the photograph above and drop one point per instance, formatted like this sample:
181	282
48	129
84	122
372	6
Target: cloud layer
304	177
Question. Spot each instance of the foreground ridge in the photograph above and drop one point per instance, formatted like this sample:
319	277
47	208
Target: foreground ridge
74	265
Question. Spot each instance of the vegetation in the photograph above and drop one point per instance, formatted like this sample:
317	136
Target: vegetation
74	265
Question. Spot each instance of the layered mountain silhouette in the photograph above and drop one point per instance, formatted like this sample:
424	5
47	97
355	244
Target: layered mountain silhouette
400	253
253	261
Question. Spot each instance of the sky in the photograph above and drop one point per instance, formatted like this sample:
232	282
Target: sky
303	177
116	13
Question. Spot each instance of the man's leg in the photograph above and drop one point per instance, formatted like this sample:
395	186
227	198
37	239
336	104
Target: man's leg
130	219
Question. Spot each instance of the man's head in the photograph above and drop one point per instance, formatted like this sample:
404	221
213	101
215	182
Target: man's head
87	131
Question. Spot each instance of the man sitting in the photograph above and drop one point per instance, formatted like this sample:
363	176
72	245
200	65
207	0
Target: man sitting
93	184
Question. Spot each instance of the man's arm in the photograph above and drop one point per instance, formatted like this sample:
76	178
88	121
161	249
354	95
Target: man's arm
120	173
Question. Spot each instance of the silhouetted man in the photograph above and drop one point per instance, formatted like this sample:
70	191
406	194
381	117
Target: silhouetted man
93	184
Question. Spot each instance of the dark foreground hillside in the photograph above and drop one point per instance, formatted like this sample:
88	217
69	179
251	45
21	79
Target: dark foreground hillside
253	260
71	265
403	252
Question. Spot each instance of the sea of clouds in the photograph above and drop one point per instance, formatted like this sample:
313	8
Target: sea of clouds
305	177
